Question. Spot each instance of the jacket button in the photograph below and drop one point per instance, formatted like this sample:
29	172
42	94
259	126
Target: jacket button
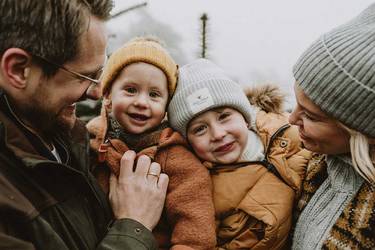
137	230
283	144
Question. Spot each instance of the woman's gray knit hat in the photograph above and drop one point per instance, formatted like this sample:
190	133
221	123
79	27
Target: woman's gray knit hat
337	72
203	86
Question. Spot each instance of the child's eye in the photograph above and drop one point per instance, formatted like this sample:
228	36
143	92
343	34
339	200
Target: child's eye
199	130
131	90
224	115
154	94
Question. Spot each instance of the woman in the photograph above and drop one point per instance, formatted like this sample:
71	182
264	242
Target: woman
335	113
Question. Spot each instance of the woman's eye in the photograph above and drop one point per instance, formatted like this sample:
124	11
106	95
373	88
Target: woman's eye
131	90
308	117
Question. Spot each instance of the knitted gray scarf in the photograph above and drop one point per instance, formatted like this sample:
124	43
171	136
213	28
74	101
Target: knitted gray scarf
327	204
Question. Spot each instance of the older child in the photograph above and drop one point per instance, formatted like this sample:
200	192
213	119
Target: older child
255	157
138	82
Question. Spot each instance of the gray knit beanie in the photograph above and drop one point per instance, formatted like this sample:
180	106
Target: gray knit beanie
203	86
337	72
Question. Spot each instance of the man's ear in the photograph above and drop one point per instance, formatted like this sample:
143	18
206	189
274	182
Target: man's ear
15	66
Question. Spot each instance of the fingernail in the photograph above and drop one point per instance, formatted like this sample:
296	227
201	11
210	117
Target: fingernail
129	153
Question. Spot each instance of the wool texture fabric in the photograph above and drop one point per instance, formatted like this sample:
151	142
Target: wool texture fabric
355	227
142	49
337	72
203	86
326	206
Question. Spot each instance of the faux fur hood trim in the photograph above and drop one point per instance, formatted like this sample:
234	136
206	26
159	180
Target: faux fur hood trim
267	97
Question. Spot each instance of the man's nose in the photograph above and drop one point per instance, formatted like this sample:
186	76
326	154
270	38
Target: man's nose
93	92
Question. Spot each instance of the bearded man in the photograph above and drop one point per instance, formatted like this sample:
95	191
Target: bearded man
52	53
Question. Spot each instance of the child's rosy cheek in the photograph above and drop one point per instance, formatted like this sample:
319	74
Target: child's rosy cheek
200	149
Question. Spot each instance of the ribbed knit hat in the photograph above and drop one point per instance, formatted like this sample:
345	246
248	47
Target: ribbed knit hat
337	72
204	86
141	49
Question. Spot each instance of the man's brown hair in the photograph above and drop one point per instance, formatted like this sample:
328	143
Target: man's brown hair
48	28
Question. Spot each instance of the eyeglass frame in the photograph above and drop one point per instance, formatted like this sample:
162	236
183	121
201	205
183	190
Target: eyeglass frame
72	72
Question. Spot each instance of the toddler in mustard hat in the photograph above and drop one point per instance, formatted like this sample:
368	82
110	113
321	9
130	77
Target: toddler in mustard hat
137	83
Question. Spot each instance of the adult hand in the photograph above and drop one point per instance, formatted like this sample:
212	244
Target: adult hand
138	194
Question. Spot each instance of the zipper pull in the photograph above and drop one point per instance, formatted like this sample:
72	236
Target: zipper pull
102	151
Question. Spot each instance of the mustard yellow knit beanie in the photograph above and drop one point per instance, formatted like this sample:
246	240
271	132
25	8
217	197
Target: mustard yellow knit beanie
140	49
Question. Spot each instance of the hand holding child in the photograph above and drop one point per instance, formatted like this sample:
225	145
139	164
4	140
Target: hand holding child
138	194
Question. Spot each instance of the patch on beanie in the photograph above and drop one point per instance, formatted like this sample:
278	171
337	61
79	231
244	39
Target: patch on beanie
200	100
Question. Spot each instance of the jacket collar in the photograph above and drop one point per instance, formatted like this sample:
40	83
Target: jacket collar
28	147
13	133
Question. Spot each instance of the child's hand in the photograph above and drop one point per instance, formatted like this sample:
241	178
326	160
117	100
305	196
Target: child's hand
139	194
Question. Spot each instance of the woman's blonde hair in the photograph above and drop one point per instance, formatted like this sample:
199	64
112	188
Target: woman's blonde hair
362	154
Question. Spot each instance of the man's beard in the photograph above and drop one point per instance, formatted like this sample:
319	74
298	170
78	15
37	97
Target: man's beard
43	120
47	122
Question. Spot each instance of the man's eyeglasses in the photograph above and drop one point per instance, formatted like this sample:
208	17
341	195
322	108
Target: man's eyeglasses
75	74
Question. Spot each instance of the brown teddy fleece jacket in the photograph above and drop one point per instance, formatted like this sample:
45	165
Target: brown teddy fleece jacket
187	221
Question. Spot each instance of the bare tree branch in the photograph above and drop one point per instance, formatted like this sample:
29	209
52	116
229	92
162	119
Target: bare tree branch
121	12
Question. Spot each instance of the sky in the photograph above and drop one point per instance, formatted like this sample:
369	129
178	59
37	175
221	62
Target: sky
254	41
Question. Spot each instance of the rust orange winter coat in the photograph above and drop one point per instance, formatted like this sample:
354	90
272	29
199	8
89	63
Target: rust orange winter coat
188	218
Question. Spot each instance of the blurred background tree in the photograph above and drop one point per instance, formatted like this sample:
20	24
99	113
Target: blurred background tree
203	42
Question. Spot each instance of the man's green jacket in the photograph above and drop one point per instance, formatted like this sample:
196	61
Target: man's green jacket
49	205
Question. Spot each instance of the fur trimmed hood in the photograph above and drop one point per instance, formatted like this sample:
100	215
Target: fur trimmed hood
267	97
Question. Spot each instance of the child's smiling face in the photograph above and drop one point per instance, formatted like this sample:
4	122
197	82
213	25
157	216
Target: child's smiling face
139	96
218	135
